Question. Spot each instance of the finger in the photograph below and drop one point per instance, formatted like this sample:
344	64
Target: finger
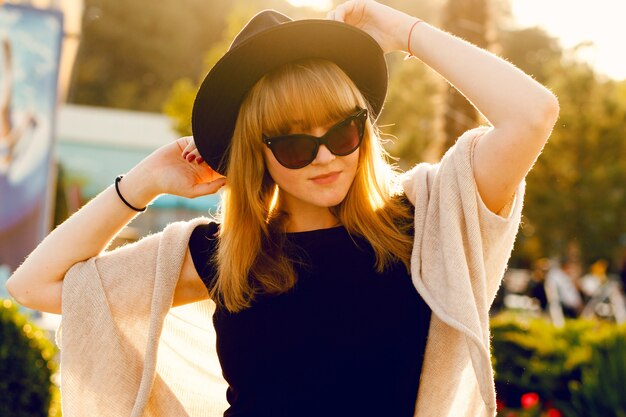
208	187
191	156
190	141
342	11
191	145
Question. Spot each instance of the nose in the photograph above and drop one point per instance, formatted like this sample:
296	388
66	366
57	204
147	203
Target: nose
324	156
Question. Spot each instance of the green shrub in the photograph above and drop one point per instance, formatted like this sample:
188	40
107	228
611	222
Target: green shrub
26	367
579	369
603	383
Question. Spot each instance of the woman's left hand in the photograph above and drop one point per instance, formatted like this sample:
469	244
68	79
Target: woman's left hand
388	26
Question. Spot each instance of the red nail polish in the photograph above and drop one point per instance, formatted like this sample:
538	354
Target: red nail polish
191	157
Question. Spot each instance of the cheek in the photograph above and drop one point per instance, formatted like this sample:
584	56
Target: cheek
295	181
352	161
285	178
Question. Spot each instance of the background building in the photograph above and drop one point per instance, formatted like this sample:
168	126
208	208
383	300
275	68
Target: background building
95	145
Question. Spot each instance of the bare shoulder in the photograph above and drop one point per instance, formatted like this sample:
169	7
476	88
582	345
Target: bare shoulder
190	287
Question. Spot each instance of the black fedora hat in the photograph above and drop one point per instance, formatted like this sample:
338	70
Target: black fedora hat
269	40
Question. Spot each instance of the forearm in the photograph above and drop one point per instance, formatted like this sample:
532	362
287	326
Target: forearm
522	111
501	92
84	235
38	282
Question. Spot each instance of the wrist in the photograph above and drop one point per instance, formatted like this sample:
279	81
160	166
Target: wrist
137	188
403	31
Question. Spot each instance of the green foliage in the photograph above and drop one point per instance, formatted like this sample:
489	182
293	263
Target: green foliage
535	356
26	366
581	173
471	21
132	52
179	103
532	50
61	211
601	391
409	118
580	368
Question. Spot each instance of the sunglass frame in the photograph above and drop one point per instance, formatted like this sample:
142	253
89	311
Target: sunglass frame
360	117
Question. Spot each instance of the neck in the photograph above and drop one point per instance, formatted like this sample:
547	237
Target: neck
306	219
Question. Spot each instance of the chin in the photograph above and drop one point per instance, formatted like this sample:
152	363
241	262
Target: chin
331	200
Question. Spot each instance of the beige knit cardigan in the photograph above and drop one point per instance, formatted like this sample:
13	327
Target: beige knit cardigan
126	352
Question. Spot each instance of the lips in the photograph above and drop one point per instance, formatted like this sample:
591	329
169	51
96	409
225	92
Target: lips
323	176
326	178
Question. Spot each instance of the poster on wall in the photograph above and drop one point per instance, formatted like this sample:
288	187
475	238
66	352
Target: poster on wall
30	48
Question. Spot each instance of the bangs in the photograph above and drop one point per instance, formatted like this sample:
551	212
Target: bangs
305	94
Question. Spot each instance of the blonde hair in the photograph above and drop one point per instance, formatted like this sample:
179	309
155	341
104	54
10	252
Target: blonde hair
251	256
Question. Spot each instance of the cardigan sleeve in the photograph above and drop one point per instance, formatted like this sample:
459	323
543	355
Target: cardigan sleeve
460	250
450	215
102	337
116	317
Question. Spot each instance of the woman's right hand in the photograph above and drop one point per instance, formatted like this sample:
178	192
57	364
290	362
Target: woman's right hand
178	169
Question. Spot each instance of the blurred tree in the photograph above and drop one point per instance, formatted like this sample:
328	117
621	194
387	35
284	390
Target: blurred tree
410	118
576	190
470	20
532	50
576	194
179	101
132	52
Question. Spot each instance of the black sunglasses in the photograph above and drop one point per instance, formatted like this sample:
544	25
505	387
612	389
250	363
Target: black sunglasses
299	150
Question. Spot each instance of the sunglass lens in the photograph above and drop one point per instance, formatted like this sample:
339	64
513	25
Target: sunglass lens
345	138
295	152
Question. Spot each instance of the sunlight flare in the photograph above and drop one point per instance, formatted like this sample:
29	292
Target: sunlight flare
319	5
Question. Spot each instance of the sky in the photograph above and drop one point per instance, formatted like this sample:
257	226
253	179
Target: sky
602	22
574	21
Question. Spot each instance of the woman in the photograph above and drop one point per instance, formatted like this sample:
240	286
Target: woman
341	286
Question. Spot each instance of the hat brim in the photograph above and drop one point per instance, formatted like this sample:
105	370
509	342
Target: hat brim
219	98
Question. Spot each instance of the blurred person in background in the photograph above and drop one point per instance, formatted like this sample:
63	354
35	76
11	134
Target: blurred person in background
563	286
622	273
591	282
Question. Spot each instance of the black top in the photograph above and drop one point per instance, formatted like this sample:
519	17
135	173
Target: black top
345	341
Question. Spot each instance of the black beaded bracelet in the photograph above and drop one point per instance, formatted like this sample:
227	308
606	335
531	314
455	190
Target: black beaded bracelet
117	188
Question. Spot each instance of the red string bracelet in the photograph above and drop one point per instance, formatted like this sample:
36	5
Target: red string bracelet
410	55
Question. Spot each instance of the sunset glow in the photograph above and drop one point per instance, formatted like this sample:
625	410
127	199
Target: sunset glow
319	5
599	24
577	21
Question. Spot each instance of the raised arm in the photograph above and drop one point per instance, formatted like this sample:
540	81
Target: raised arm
521	111
38	282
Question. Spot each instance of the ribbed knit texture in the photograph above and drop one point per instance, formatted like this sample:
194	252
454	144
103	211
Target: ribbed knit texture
459	257
117	316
